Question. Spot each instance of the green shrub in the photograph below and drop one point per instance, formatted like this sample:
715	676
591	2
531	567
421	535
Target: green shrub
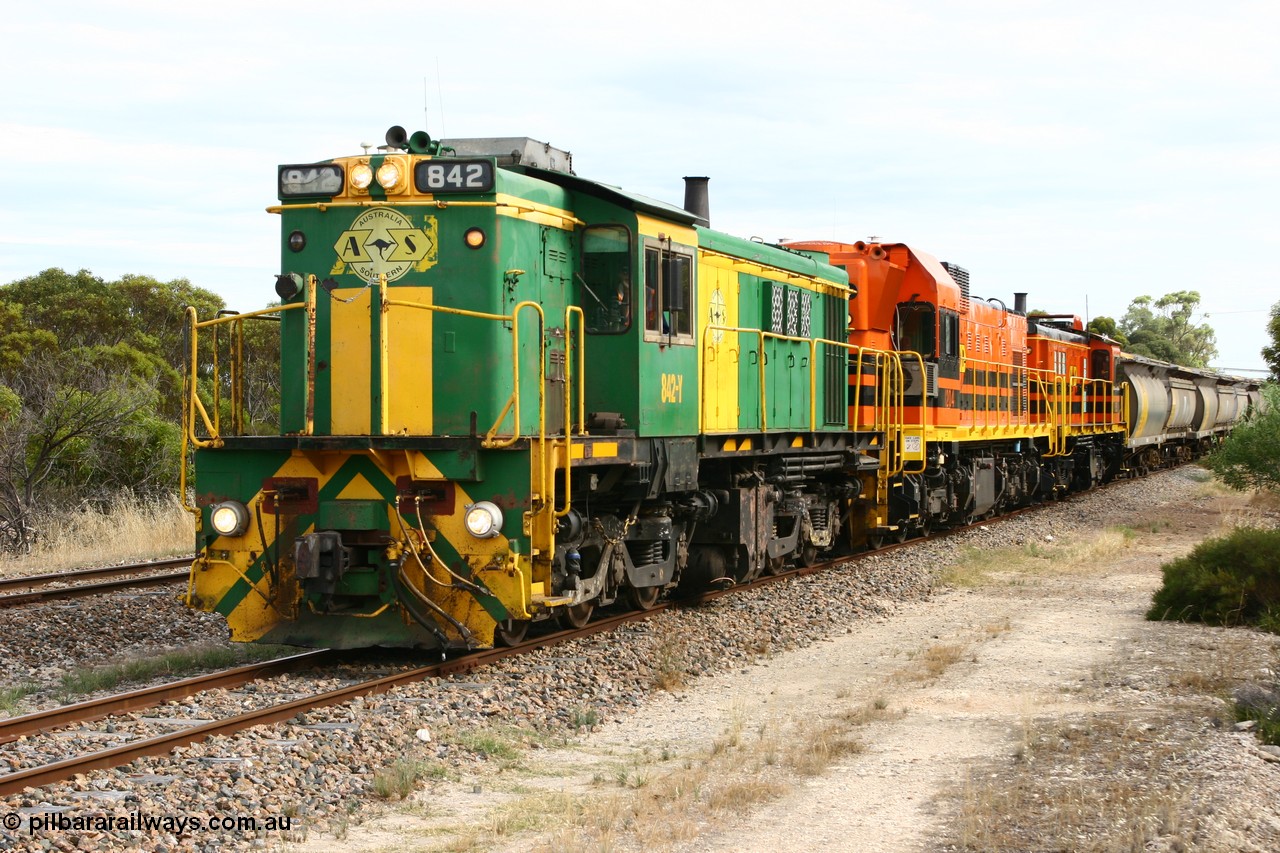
1250	457
1234	580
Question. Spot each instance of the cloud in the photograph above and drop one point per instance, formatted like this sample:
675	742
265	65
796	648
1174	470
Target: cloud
1093	148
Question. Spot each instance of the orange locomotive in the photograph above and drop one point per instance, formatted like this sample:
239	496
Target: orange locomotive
995	408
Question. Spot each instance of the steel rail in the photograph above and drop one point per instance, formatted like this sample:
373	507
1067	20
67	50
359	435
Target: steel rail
147	697
99	572
85	589
39	587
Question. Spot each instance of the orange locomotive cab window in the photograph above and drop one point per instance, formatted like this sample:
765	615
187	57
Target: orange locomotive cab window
916	328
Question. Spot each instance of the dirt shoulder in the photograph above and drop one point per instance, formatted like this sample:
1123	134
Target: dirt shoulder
1035	709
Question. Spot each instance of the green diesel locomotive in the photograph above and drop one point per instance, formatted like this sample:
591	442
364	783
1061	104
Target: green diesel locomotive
511	394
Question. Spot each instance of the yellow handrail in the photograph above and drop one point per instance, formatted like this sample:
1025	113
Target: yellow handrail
1049	397
899	412
193	408
490	440
569	311
888	406
195	411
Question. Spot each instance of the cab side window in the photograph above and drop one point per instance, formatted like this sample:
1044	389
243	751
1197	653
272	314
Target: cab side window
950	328
606	279
1102	364
916	328
668	294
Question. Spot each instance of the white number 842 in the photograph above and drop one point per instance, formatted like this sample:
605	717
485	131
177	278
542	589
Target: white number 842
455	176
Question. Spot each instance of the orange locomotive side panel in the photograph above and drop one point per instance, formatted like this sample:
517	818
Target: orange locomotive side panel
964	361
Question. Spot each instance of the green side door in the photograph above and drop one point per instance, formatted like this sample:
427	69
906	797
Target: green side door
668	348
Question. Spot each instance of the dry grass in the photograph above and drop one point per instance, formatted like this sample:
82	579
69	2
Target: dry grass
130	529
650	802
819	748
1218	662
1265	501
931	663
670	670
871	712
521	815
733	796
981	566
399	779
995	629
1259	508
937	658
1093	785
1124	779
1255	512
1210	486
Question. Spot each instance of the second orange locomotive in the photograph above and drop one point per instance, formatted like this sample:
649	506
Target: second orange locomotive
997	408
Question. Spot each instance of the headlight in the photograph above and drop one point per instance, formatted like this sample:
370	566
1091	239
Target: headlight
388	176
484	520
288	285
229	518
361	176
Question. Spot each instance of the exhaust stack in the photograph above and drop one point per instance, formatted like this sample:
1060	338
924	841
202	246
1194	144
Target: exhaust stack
1020	303
697	200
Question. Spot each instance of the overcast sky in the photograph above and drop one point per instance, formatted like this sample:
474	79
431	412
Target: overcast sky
1085	152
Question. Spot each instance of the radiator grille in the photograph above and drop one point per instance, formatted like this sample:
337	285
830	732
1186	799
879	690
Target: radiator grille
961	277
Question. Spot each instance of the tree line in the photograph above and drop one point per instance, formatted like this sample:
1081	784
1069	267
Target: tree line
91	389
92	375
1163	329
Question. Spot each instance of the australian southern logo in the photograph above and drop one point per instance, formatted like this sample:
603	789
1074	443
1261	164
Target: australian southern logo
385	241
719	315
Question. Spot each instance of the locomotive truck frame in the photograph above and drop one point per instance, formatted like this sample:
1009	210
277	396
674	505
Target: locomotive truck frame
510	394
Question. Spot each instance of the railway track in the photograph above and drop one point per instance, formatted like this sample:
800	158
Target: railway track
72	584
162	744
280	712
148	697
45	721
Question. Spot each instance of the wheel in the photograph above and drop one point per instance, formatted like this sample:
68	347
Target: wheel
900	535
643	597
874	541
706	567
576	615
808	555
510	632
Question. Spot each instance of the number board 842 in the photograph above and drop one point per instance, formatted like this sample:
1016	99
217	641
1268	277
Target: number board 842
453	176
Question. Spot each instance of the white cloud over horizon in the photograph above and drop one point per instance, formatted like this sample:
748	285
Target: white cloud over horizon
1092	150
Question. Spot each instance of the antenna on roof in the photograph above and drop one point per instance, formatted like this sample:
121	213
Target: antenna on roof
440	94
